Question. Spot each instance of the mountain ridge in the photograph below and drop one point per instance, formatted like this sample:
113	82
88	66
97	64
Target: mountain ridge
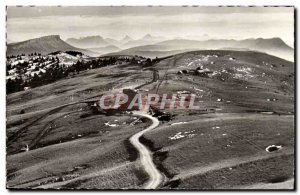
43	45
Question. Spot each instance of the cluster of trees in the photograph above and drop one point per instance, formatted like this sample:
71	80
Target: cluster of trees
74	53
14	85
92	64
150	62
21	66
35	54
52	74
56	72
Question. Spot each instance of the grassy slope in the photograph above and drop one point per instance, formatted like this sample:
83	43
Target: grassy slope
232	155
73	135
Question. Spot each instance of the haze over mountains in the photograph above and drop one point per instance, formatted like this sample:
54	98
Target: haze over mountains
151	46
273	46
125	43
88	42
148	46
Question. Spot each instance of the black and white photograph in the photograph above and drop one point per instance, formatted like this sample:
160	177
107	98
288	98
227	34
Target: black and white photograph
150	98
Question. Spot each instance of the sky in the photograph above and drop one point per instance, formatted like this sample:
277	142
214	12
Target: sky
171	22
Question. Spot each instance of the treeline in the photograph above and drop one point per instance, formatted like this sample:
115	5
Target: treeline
20	55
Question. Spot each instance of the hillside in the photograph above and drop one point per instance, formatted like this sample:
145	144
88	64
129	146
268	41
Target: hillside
251	99
43	45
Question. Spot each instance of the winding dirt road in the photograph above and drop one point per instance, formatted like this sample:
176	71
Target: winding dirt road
155	177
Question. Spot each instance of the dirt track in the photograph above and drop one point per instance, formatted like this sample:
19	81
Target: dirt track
155	177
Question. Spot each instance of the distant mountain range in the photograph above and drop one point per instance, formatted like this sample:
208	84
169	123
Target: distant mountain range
104	50
97	42
147	46
146	40
113	42
126	39
273	46
88	42
125	43
43	45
